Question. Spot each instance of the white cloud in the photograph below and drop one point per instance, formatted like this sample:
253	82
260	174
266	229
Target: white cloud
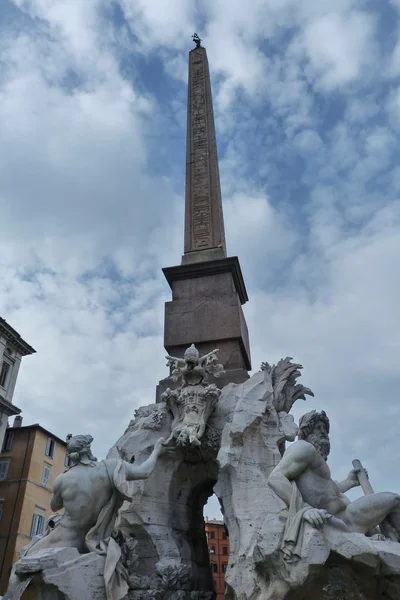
91	201
339	46
160	22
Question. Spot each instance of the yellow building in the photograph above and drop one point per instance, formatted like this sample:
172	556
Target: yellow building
30	460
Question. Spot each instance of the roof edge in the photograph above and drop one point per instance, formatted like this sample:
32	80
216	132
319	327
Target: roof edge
12	334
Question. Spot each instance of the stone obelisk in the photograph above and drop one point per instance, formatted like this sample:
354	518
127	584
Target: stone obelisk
204	221
207	287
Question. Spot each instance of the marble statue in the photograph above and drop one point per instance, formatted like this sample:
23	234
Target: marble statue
302	537
302	479
192	402
91	494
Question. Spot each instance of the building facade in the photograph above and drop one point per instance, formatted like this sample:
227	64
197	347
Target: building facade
30	460
218	546
12	349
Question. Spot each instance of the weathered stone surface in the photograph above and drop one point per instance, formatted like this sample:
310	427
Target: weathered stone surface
61	574
165	514
206	310
204	226
208	289
251	448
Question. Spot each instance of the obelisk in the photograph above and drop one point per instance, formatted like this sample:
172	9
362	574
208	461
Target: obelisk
207	287
204	221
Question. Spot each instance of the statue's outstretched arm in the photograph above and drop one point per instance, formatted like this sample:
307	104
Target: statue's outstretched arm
350	482
144	470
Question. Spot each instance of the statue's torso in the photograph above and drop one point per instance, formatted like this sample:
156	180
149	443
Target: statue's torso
84	490
318	488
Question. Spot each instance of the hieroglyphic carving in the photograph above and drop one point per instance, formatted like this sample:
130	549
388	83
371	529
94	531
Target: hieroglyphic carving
204	227
200	181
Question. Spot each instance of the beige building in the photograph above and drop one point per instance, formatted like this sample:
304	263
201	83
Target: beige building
30	460
12	349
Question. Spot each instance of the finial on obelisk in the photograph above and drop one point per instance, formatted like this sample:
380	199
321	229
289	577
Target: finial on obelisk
196	40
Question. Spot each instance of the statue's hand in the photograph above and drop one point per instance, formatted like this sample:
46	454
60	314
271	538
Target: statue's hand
352	477
161	445
317	517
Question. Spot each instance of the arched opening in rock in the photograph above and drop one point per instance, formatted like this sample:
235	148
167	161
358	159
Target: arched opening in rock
191	487
218	543
212	509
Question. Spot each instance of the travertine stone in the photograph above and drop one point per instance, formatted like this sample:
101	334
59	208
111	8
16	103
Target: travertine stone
279	549
252	441
59	574
204	226
166	513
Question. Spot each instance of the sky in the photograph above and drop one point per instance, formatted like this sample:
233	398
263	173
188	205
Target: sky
92	152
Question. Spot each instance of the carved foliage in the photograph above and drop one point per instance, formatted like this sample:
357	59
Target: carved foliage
129	558
286	391
149	417
173	576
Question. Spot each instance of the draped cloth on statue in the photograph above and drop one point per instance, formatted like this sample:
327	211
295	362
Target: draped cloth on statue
294	530
99	539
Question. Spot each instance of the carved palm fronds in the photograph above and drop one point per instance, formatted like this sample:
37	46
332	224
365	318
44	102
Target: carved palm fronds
283	377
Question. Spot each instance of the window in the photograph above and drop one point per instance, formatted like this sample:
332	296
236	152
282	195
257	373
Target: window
37	524
46	475
4	464
50	447
225	550
214	567
224	536
224	567
212	534
5	373
212	549
8	439
1	509
67	461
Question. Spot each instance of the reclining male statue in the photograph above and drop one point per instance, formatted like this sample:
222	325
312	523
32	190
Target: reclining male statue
302	479
91	494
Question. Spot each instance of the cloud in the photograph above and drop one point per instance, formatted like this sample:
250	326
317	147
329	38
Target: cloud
92	105
339	47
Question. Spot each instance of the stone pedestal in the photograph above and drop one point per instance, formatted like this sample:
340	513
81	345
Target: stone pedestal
58	574
206	310
340	580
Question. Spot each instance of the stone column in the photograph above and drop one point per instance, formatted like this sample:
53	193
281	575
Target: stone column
204	223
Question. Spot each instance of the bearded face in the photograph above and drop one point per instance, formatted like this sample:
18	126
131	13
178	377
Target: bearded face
319	438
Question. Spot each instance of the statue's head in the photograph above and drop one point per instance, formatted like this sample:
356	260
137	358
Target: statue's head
314	428
79	451
191	355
